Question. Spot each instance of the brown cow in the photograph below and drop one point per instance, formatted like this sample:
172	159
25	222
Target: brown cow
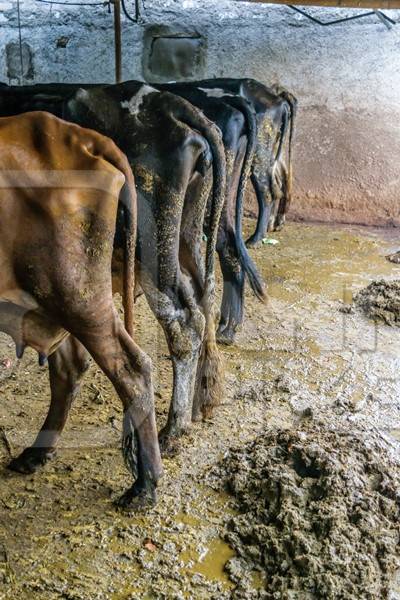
61	187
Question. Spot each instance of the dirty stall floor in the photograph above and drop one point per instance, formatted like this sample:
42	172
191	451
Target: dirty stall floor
60	536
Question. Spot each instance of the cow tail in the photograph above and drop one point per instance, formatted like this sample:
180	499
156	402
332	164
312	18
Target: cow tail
246	262
210	371
128	200
130	248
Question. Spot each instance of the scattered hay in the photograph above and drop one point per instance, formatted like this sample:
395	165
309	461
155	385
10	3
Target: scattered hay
381	301
319	515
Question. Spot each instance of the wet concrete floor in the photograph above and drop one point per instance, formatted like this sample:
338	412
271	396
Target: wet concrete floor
60	536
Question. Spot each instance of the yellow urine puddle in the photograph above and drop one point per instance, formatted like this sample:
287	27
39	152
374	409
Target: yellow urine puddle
211	564
324	260
216	552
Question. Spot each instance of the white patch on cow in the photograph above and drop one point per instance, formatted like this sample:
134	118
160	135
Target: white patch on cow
215	92
82	94
135	103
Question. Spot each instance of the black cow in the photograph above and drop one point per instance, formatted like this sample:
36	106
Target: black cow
254	121
236	119
270	176
171	147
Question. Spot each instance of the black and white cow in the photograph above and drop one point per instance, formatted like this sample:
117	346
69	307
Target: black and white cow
236	119
271	177
256	124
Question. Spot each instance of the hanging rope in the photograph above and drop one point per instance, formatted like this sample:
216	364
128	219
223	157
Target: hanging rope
74	3
384	18
134	19
137	12
21	58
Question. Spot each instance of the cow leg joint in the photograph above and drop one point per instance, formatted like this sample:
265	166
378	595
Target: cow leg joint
184	329
129	370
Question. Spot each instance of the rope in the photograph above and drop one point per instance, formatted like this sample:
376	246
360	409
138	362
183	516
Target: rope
379	13
137	12
21	59
73	3
104	3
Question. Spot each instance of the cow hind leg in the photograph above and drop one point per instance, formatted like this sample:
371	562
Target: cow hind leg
67	366
207	374
129	370
208	368
264	211
180	411
183	324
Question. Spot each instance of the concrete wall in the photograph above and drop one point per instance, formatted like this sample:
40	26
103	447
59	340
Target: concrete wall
346	77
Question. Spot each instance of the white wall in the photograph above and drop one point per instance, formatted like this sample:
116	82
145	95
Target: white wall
346	77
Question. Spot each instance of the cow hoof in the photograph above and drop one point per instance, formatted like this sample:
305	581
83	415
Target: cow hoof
138	498
170	443
30	460
253	243
197	415
225	337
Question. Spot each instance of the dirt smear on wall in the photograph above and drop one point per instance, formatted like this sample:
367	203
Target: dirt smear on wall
318	513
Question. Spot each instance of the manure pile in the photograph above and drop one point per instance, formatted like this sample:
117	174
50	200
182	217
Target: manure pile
381	301
319	515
